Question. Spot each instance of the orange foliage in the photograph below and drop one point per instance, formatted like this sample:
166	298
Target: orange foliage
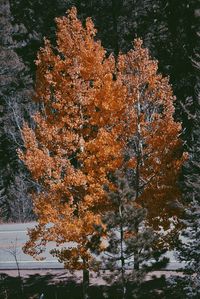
157	157
92	107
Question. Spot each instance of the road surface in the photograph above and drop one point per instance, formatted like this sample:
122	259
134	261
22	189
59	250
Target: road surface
12	239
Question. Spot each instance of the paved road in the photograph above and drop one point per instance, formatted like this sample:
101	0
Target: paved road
12	238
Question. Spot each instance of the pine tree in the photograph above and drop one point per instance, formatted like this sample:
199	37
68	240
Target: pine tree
31	21
189	248
128	239
14	96
189	245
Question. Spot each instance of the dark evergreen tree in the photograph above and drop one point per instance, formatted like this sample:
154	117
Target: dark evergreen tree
131	248
189	250
15	86
32	21
189	246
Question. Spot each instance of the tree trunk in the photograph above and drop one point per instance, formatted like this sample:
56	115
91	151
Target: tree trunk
123	279
136	256
136	263
86	282
122	254
137	183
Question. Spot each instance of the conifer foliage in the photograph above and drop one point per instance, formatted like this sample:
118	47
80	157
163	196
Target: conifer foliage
128	239
189	251
15	90
97	115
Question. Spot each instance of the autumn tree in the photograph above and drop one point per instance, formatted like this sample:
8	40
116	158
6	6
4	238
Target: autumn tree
76	141
97	115
157	22
153	147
